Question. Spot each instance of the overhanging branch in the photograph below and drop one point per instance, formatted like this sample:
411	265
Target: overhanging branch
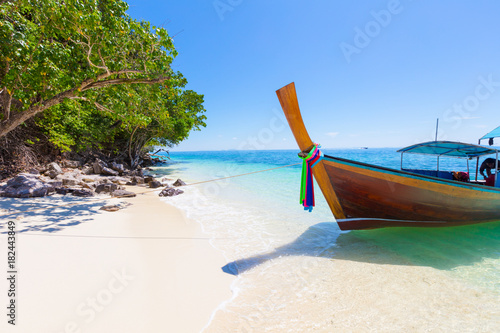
111	82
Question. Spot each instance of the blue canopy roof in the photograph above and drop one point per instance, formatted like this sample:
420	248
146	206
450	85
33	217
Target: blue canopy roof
448	148
493	134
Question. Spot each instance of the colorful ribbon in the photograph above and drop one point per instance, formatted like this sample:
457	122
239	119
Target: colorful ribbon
306	186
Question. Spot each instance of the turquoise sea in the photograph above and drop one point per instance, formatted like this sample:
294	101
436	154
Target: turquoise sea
297	272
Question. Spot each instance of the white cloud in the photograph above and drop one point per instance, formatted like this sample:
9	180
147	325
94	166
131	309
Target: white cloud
332	134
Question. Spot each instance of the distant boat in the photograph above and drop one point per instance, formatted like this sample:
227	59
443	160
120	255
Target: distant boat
366	196
363	148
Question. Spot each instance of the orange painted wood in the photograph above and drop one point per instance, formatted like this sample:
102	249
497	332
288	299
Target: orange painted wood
290	105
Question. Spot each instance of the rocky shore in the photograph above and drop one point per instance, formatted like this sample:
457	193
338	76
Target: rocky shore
71	178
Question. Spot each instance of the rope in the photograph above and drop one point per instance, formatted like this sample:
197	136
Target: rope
144	192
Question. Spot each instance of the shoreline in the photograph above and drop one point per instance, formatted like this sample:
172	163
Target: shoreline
143	268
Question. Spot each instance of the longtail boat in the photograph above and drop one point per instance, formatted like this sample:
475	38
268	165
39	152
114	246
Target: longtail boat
366	196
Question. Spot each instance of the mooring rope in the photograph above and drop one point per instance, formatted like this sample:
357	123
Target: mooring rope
143	192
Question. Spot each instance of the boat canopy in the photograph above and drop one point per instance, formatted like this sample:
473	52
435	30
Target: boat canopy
448	148
493	134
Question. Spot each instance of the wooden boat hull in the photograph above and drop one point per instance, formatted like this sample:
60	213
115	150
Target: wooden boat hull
374	197
365	196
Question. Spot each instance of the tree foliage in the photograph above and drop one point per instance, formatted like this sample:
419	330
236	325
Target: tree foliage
95	74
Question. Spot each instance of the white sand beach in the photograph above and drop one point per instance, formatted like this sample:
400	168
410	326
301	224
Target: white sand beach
145	268
148	268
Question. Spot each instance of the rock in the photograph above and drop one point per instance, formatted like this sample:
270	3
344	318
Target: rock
123	194
179	182
110	208
25	185
71	164
88	170
137	172
138	180
155	184
64	190
54	184
118	167
106	188
88	179
148	179
108	172
33	172
98	165
68	180
89	186
118	180
83	192
170	192
55	168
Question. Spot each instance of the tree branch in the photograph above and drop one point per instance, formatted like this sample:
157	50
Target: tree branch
97	105
18	118
111	82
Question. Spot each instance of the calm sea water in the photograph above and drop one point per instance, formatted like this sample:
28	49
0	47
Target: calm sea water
298	272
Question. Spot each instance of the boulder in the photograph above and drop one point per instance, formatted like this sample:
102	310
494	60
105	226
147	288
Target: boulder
148	179
170	192
155	184
137	180
54	166
108	172
106	188
53	169
118	167
179	182
90	186
110	208
98	165
118	180
25	185
54	184
63	190
68	180
71	164
88	179
33	171
88	170
103	180
83	192
137	172
123	194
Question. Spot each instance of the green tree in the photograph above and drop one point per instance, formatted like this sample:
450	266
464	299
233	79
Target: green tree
53	51
139	116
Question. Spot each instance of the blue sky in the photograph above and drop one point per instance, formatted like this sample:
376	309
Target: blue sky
367	73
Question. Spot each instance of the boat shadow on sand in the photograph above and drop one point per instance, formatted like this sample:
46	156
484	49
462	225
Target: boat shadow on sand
440	248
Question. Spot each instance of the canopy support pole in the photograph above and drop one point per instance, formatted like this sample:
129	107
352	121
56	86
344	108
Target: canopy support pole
496	170
477	159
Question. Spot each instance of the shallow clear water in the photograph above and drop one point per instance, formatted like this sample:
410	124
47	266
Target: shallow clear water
291	262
